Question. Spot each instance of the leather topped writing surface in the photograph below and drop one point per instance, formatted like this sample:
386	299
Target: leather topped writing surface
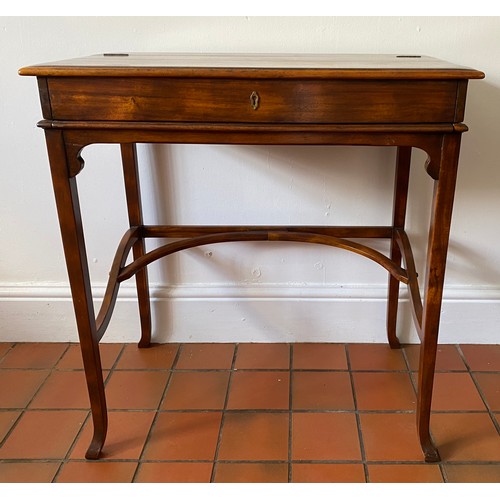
403	101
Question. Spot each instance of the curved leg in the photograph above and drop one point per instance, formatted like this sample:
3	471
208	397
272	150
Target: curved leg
99	436
398	221
444	189
68	207
133	194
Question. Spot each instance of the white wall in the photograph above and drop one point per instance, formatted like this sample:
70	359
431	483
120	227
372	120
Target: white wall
246	291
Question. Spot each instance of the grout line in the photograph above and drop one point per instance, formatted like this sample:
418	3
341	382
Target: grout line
479	390
412	375
290	411
157	412
62	355
462	355
236	461
442	470
50	371
25	408
251	410
9	349
86	419
202	370
414	382
409	371
14	425
136	471
356	412
224	411
58	471
118	358
65	459
290	416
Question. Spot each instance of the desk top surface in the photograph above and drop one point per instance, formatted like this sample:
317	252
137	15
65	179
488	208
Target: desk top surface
345	66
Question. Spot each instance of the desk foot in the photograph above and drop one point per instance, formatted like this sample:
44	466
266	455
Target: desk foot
431	454
394	343
144	343
94	449
99	418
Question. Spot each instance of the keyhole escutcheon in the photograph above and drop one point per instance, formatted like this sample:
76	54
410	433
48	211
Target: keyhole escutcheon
254	99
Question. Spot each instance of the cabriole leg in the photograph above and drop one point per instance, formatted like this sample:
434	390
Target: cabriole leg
442	204
68	208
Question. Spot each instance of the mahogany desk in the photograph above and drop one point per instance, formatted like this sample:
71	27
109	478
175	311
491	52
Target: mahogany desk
375	100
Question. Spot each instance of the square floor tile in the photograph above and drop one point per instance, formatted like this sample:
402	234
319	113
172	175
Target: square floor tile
63	390
390	436
328	473
174	472
43	434
259	390
320	356
322	391
472	473
375	357
17	387
482	358
254	436
263	356
127	433
384	391
97	472
205	356
325	436
447	358
489	384
264	472
33	355
44	401
156	357
26	472
465	436
184	436
404	473
455	391
196	391
72	358
136	389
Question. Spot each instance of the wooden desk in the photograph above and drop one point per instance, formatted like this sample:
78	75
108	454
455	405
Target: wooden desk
403	101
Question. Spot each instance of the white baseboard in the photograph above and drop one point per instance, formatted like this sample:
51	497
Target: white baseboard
256	313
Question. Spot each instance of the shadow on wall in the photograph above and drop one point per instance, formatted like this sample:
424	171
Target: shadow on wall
332	185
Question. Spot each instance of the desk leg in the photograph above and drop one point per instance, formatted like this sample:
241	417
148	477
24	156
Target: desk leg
68	208
133	193
442	204
398	220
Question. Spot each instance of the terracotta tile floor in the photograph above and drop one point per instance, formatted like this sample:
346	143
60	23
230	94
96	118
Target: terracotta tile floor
248	413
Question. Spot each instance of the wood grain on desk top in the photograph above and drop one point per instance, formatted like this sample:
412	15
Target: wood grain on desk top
346	66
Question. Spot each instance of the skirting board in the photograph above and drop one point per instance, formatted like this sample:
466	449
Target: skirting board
252	313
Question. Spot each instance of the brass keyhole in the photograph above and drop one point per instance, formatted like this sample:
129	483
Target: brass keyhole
254	99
